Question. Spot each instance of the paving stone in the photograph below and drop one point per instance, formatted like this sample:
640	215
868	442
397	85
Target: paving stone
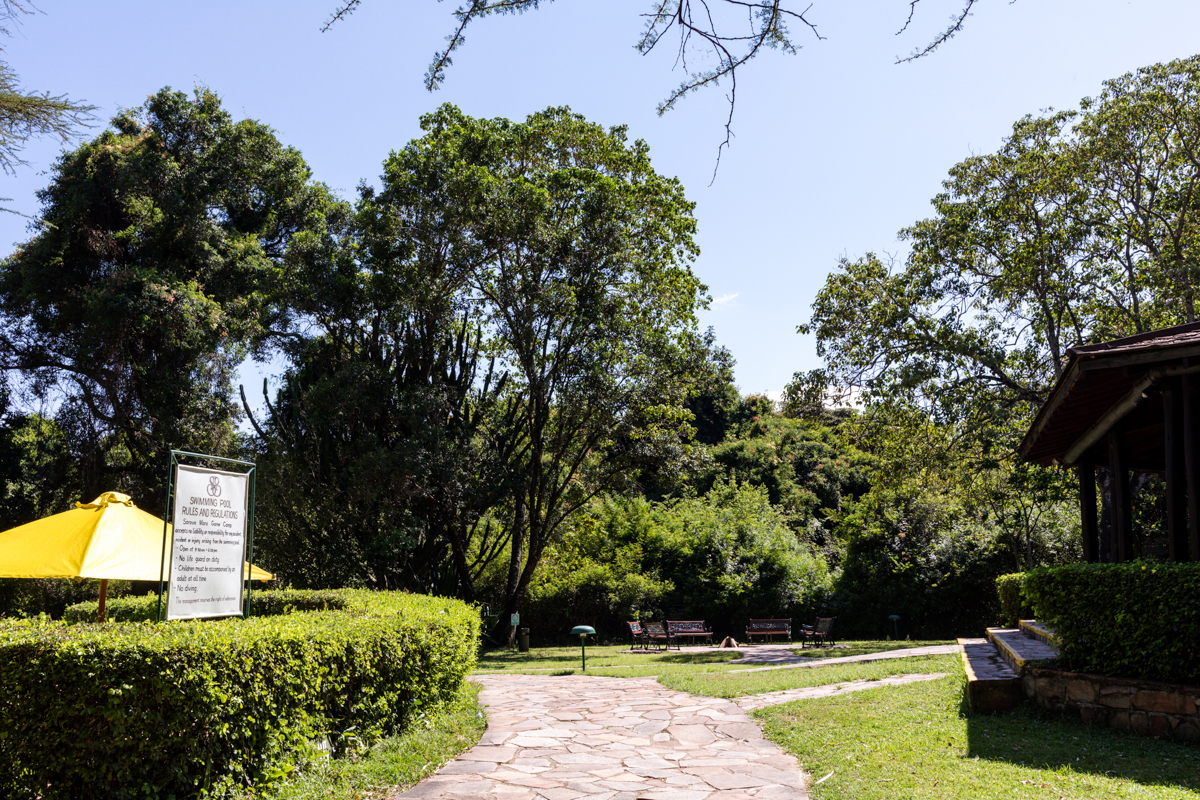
581	737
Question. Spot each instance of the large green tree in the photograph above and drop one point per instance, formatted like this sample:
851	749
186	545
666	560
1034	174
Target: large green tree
135	302
515	312
1080	228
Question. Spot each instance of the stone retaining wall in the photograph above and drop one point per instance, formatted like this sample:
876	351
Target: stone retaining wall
1165	710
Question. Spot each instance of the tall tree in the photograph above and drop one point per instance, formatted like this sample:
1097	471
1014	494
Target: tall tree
142	293
1082	227
591	304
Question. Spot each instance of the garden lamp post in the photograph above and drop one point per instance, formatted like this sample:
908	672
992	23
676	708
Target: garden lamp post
895	624
583	631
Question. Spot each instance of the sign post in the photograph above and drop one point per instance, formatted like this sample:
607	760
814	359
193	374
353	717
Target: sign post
213	515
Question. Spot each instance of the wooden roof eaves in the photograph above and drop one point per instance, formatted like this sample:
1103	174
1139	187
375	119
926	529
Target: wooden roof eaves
1119	409
1089	362
1060	392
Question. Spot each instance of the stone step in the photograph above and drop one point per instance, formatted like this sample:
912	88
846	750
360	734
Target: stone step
1020	649
1037	630
991	684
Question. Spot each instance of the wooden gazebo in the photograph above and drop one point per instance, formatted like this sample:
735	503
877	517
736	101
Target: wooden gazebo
1129	404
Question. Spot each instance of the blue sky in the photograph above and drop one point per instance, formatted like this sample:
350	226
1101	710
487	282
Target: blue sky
836	148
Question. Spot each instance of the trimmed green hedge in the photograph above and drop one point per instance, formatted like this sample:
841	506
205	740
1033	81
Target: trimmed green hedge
1137	620
210	708
1013	605
262	604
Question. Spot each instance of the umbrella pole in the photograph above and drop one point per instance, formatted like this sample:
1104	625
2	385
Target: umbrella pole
103	597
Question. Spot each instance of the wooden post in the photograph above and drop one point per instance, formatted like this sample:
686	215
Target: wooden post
1176	500
1087	508
103	597
1122	508
1191	457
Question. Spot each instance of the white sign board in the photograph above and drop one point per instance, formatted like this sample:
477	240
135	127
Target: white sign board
209	544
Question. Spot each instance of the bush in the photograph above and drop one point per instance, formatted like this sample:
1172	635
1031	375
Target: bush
210	708
29	597
262	604
1137	620
919	556
725	558
1013	605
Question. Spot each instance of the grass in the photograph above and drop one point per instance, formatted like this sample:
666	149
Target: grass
395	763
617	659
914	741
614	660
864	648
739	684
890	743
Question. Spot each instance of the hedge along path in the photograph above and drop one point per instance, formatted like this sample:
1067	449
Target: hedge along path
203	709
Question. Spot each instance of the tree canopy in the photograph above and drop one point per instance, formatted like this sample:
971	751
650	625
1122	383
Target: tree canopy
135	303
515	311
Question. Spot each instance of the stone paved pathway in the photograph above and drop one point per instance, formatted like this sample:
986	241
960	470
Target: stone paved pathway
579	736
585	737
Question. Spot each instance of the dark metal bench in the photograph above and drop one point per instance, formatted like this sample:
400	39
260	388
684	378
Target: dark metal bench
819	634
640	639
657	634
769	627
691	628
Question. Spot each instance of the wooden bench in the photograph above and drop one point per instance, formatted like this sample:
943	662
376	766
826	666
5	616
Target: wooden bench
821	633
691	628
769	627
640	639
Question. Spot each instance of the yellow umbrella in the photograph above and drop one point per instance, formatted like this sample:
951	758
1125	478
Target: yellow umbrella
109	538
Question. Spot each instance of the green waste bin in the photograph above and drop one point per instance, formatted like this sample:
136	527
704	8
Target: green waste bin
523	639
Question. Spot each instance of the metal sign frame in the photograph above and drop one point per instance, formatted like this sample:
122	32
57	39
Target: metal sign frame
167	520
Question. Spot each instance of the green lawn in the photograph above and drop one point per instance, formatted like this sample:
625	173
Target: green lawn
864	648
890	743
739	684
615	660
914	741
394	763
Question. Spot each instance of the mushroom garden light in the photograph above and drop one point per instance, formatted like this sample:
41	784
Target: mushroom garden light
583	631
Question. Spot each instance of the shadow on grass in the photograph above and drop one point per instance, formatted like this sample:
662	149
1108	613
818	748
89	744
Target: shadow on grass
511	658
1029	737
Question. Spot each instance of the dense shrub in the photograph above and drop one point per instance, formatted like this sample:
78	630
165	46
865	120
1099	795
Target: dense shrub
920	557
723	558
29	597
1138	620
1013	605
208	708
262	604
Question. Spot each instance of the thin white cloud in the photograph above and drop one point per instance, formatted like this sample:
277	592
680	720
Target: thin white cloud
725	298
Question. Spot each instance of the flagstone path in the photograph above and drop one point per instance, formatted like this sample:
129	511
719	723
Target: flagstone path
569	737
578	736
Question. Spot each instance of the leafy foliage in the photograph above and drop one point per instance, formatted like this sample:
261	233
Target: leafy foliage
1013	605
269	603
229	703
724	558
138	299
1138	619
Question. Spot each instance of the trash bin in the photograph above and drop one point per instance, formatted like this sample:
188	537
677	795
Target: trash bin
523	639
